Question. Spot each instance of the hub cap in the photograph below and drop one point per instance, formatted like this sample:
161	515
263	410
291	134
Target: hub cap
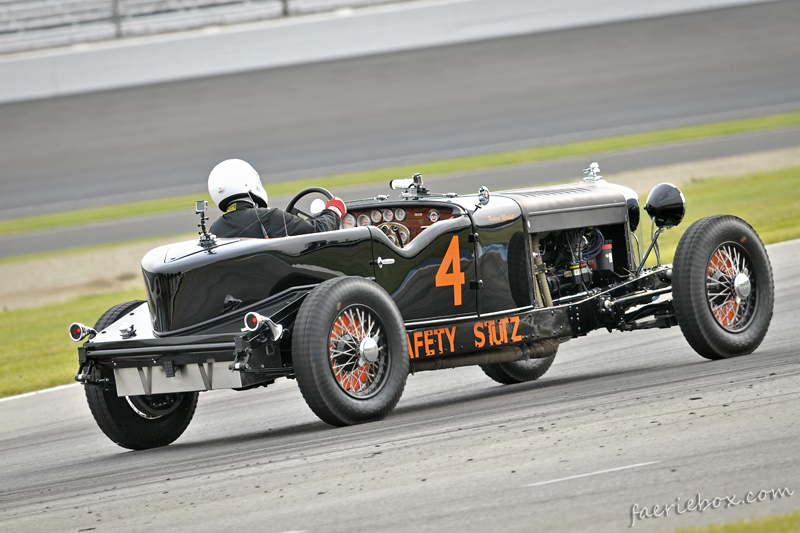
730	287
358	354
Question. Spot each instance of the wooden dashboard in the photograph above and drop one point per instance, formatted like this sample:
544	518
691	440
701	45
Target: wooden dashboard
400	224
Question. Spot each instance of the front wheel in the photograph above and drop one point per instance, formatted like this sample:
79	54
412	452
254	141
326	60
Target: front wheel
136	422
349	351
722	287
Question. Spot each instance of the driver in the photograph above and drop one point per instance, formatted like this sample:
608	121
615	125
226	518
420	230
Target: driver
236	188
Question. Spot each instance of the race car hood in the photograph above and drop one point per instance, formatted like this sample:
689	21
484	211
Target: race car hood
569	206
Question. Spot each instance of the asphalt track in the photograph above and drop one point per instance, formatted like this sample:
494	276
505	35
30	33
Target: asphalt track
467	182
620	419
371	111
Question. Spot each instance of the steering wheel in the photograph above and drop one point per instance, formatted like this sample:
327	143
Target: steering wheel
290	207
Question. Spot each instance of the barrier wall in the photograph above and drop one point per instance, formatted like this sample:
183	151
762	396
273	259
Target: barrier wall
36	24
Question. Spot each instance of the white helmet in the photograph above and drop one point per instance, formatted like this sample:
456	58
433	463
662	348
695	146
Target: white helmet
233	179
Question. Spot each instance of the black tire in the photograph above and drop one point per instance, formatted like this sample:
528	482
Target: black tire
514	372
722	287
137	422
341	384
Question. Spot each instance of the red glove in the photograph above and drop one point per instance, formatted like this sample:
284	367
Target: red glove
336	205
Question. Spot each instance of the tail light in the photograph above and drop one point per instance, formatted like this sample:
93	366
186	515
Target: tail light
78	331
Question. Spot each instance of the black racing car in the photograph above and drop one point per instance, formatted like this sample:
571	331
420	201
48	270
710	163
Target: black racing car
421	281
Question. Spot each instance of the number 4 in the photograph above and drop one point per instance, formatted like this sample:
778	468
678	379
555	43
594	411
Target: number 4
454	278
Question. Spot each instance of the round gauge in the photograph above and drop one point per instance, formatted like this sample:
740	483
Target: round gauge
433	216
400	214
349	221
363	220
404	237
376	216
388	216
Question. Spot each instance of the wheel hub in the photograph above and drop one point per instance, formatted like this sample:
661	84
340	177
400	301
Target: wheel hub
358	358
741	284
729	289
368	351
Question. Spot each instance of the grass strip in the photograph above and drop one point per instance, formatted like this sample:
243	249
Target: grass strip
483	161
770	202
784	523
36	354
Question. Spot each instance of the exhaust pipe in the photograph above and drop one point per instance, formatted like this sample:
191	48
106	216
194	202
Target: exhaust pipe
78	332
507	354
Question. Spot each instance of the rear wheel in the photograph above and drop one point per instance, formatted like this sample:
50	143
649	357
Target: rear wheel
722	287
136	422
350	352
521	371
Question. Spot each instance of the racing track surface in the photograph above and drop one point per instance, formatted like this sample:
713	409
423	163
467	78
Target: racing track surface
638	417
371	111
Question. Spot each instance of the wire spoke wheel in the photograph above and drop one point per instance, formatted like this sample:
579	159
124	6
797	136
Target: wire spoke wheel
722	287
350	351
730	288
357	351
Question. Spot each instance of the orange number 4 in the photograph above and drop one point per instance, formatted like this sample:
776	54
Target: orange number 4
454	278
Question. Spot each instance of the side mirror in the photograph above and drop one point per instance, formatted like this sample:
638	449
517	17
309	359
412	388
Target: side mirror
666	205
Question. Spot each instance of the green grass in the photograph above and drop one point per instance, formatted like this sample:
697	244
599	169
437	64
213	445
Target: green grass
770	202
513	157
785	523
36	351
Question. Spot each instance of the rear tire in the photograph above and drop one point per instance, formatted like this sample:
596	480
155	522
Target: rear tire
136	422
514	372
350	352
722	287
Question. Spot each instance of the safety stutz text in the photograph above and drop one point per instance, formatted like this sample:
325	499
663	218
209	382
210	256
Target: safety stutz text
464	338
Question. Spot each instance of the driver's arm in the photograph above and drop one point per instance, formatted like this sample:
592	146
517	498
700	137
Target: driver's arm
327	220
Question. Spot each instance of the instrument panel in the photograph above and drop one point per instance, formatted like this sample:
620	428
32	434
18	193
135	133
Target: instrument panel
400	224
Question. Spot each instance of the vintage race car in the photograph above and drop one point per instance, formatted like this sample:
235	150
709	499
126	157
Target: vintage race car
418	282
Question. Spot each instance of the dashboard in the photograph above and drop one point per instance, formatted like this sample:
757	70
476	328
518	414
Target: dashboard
400	224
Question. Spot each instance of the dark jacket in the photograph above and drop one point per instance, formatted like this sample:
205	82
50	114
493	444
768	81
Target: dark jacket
244	220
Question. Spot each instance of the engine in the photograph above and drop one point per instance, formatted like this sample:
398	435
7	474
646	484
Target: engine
576	260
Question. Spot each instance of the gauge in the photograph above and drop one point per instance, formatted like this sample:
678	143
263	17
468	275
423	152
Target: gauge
433	216
388	216
349	221
363	220
400	214
376	216
386	231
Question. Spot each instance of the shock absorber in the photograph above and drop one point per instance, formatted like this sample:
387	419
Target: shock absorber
541	289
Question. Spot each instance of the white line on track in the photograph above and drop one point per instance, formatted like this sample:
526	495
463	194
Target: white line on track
591	474
27	394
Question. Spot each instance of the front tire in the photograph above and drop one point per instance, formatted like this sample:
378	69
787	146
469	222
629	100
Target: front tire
722	287
136	422
350	352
